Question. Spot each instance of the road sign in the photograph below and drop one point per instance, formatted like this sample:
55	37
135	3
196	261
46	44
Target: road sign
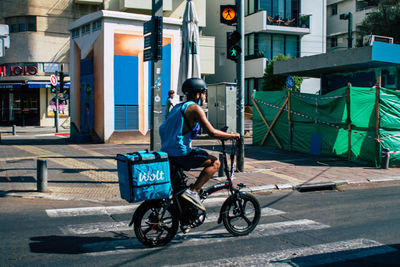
153	38
53	80
289	82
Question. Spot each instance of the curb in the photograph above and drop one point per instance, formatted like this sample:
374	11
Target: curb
256	189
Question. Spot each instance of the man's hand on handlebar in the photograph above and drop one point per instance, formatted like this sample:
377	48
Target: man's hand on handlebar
235	136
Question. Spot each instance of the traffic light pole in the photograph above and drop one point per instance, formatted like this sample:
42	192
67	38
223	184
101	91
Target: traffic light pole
240	85
56	114
156	111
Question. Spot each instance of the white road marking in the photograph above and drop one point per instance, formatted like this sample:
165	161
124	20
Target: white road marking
203	237
99	227
88	211
306	256
108	210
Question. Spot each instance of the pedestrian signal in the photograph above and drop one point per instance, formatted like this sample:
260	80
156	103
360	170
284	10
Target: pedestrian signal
228	14
233	46
53	89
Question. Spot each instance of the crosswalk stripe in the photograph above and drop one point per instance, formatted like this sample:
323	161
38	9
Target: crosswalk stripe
98	227
203	237
108	210
328	253
87	211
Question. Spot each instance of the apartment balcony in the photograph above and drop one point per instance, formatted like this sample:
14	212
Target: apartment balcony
255	67
261	22
125	5
89	2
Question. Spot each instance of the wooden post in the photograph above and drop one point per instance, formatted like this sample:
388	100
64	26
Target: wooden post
266	123
378	118
348	122
273	122
289	123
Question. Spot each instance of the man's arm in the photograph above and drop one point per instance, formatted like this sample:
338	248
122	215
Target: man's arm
197	115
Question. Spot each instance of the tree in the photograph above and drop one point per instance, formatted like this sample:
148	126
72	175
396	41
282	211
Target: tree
272	82
384	21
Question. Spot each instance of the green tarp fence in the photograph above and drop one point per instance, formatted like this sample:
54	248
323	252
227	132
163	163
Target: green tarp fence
353	123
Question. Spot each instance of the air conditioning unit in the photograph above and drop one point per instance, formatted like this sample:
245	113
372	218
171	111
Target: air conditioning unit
368	40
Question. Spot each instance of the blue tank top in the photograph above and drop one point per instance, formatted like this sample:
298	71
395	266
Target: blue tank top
172	140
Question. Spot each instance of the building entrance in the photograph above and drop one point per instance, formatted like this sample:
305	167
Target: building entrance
20	107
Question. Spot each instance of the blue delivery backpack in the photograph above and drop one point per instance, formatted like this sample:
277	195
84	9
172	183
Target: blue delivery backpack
144	175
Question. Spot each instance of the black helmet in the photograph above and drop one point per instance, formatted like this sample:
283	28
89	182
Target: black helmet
193	85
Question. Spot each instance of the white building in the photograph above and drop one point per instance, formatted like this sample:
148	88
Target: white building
294	28
337	29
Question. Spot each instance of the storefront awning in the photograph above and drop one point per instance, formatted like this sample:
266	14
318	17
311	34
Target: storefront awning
44	84
10	85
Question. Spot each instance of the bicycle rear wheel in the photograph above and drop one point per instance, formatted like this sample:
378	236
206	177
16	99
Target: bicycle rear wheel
240	214
155	223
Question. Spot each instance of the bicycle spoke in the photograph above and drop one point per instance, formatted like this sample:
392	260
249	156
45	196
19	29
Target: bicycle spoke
246	219
147	230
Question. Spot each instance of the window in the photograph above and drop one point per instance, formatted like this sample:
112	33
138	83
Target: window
334	9
85	29
334	41
271	45
21	24
249	7
286	9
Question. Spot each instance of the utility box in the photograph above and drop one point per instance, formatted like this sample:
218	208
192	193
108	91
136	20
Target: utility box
222	105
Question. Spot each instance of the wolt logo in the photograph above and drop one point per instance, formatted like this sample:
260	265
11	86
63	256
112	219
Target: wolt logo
145	177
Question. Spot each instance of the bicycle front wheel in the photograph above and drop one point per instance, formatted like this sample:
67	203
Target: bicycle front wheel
240	214
155	223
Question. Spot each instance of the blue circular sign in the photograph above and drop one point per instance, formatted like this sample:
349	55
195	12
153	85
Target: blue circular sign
289	82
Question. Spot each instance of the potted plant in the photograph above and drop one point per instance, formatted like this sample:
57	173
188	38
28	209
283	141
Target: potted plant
304	20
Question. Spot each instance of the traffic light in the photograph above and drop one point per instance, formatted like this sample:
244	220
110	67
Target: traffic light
233	46
228	14
53	89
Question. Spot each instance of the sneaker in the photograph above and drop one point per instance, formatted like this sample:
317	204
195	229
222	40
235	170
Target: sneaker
194	198
185	229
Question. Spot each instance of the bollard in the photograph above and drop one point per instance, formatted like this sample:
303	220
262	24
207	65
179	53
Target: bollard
385	158
41	172
221	168
14	129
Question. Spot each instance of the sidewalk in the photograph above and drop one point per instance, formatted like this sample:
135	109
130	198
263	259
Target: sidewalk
88	171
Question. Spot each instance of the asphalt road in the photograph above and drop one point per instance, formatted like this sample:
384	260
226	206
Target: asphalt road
351	227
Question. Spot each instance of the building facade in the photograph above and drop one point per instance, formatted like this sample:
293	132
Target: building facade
337	28
40	46
110	78
295	28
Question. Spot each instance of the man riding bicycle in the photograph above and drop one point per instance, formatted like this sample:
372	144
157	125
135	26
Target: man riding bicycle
178	130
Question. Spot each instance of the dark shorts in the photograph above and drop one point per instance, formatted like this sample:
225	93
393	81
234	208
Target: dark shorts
194	159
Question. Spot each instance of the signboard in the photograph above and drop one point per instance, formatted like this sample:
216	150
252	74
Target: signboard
289	82
53	80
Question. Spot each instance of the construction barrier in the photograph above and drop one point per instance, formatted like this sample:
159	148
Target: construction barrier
353	123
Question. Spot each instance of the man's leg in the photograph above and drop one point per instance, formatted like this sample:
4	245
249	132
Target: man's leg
211	166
